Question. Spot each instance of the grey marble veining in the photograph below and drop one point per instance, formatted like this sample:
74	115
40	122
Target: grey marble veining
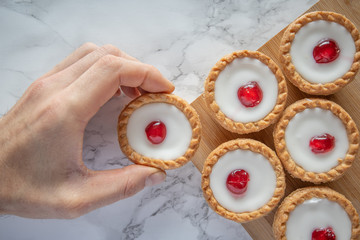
183	39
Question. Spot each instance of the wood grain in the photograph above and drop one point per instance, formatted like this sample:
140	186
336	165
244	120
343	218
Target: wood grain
349	98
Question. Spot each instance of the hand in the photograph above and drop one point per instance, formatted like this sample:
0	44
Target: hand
42	174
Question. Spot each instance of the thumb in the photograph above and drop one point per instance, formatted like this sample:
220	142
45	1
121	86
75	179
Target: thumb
105	187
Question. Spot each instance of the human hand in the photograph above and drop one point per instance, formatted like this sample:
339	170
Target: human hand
42	174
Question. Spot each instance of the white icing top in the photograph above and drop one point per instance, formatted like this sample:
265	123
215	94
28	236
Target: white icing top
178	131
313	122
260	188
237	74
318	213
303	45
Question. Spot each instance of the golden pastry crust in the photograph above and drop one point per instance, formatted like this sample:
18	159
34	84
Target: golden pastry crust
299	196
296	170
289	68
239	127
178	102
254	146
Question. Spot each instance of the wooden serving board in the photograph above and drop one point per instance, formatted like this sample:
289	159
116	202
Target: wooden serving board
349	98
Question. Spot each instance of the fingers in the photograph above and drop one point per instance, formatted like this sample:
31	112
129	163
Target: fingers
79	53
106	187
102	80
131	92
74	67
74	71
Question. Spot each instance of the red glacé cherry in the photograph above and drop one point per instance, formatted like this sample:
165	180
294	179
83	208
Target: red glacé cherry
326	51
250	94
323	234
322	143
156	132
237	181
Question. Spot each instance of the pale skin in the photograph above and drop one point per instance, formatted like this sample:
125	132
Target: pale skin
42	174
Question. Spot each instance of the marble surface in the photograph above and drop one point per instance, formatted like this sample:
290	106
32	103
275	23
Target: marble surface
183	39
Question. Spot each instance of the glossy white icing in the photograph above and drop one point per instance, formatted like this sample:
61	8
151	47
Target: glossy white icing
237	74
318	213
178	136
307	124
303	45
260	188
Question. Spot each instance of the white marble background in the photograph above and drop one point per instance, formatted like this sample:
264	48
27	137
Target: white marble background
183	39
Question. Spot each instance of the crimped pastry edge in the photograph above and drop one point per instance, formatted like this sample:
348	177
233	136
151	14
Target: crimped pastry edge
299	196
178	102
254	146
296	170
238	127
289	69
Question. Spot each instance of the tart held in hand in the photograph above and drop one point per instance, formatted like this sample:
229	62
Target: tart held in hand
316	140
246	91
159	130
316	213
243	180
320	52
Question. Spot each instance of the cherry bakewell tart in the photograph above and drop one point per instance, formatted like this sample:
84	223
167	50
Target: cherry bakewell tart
243	180
320	52
159	130
316	140
316	213
246	91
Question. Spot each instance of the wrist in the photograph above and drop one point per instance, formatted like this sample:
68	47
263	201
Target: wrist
6	180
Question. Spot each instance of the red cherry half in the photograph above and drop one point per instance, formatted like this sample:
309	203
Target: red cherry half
322	143
237	181
326	51
250	94
156	132
323	234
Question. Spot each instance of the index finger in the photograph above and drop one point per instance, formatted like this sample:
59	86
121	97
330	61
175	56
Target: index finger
99	83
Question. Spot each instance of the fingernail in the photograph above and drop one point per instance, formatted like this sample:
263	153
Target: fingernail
172	87
155	179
